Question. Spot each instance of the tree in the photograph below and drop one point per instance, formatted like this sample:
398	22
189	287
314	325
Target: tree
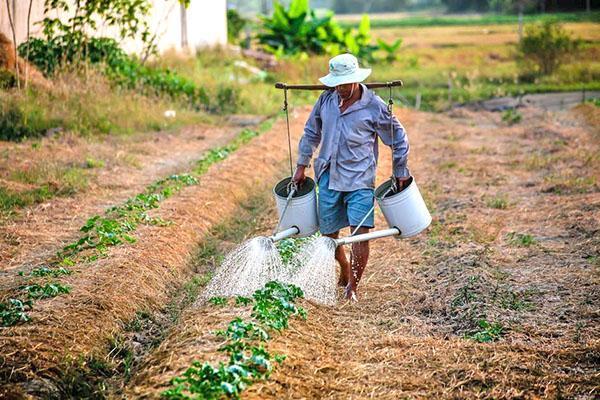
545	45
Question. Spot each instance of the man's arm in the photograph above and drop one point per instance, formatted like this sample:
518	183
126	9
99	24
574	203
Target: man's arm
400	142
309	142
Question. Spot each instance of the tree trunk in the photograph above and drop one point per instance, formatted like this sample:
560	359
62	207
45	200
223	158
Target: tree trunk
520	20
14	35
588	6
184	30
27	38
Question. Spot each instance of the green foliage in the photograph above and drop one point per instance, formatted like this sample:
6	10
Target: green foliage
298	30
545	46
18	124
248	360
14	311
46	291
128	17
221	153
7	79
124	70
289	247
390	49
218	301
486	332
113	229
521	239
498	202
512	116
235	24
44	271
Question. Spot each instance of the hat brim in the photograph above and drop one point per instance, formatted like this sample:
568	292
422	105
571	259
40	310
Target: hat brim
358	76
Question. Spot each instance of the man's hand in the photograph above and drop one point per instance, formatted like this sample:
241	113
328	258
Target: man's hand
402	182
299	175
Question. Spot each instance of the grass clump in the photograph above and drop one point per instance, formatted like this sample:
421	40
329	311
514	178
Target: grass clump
499	202
512	116
521	239
248	360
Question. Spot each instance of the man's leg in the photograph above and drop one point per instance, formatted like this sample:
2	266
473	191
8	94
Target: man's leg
340	256
358	261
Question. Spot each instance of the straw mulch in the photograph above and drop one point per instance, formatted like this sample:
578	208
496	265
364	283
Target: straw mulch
422	299
69	330
38	232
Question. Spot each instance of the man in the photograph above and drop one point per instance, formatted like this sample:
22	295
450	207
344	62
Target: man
346	123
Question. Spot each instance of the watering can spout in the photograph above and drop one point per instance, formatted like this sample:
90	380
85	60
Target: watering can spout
367	236
285	234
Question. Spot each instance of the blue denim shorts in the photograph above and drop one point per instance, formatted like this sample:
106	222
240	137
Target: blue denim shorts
338	210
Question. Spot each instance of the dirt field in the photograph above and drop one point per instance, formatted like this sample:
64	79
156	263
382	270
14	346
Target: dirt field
422	298
515	242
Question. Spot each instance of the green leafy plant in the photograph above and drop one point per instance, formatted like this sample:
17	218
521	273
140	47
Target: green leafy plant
47	271
391	49
545	45
46	291
14	311
248	360
512	116
521	239
486	332
297	30
235	24
218	301
499	202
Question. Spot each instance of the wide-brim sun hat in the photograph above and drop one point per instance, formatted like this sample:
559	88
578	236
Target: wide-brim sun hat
344	69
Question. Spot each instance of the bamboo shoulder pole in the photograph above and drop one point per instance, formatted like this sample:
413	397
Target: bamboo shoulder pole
371	85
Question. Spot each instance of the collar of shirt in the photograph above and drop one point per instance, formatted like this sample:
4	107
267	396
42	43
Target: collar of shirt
365	99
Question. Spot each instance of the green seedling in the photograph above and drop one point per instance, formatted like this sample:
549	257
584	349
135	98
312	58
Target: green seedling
44	271
14	311
248	361
511	116
46	291
521	239
499	202
487	332
218	301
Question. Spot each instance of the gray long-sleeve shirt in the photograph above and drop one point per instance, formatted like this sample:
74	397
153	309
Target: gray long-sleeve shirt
348	141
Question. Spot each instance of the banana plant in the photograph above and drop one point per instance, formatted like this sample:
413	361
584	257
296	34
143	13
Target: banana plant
390	49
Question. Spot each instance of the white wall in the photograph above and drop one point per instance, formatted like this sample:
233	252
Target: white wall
206	23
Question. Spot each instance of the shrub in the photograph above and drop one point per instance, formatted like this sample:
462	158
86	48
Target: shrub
17	124
235	24
298	30
545	45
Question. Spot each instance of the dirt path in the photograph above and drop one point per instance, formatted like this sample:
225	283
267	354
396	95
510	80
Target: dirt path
515	243
39	231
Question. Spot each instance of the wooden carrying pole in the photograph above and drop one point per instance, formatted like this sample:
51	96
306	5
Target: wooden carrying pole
372	85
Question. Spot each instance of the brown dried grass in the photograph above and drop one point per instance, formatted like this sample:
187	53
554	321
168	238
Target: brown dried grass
67	330
404	338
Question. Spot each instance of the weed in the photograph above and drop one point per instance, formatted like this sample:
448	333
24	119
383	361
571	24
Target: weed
218	301
521	239
511	116
466	294
14	311
46	291
93	163
486	332
499	202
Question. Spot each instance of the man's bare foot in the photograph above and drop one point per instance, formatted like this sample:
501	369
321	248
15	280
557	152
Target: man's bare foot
350	293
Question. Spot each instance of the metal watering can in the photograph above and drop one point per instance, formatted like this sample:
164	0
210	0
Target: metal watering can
296	209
